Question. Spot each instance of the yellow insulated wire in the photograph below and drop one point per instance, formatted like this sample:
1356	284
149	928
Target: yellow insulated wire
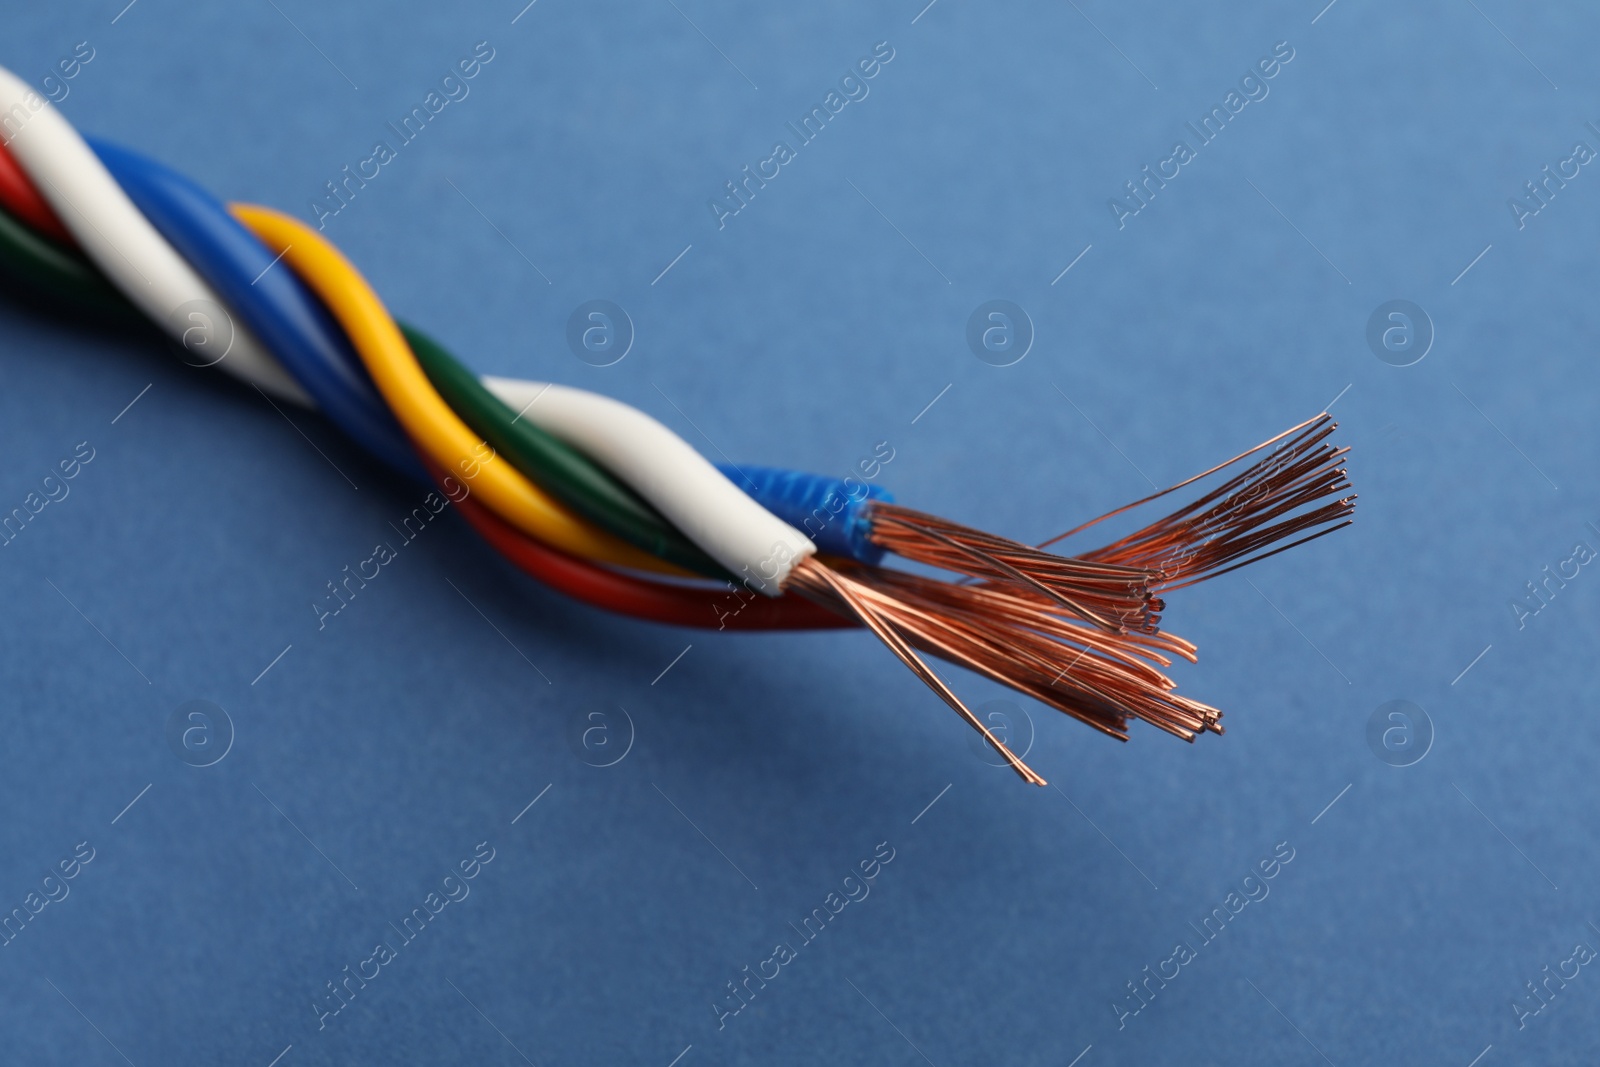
422	412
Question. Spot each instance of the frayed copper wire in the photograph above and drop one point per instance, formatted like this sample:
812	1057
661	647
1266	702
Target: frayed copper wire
817	581
1115	587
1026	642
1112	596
1257	507
1082	634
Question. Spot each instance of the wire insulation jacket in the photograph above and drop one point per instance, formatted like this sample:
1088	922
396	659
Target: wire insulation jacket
22	196
66	276
762	547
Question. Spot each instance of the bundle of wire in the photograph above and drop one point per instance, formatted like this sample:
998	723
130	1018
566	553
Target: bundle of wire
607	505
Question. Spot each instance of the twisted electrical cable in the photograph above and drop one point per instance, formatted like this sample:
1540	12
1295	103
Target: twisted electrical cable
571	486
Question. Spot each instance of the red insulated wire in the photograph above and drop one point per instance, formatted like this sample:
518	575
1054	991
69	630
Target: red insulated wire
18	195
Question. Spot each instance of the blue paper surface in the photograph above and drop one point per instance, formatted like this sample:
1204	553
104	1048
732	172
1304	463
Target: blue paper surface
1325	883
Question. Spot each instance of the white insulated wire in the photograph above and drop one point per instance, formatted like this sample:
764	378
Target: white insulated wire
117	237
662	467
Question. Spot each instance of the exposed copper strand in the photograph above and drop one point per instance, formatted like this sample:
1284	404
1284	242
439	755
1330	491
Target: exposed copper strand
1108	594
1187	481
811	577
1082	633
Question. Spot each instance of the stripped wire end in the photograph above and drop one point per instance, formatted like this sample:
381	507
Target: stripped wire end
879	612
1293	490
1082	633
1112	596
1027	642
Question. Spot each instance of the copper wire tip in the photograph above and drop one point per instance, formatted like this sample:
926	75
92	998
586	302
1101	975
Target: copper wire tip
1291	491
1113	597
876	611
1082	633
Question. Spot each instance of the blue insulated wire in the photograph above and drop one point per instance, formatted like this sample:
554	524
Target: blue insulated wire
270	299
833	512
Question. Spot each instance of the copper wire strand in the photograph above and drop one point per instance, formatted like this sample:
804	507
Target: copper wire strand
1023	642
1114	597
1088	687
816	580
995	561
1005	606
1324	416
1255	509
1202	539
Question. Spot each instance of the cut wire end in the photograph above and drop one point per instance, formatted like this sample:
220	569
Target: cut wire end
815	580
1112	596
1027	643
1082	633
1293	490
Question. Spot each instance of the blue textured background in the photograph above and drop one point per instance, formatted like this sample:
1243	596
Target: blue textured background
824	318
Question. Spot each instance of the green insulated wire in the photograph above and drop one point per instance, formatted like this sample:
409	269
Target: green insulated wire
59	273
560	470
